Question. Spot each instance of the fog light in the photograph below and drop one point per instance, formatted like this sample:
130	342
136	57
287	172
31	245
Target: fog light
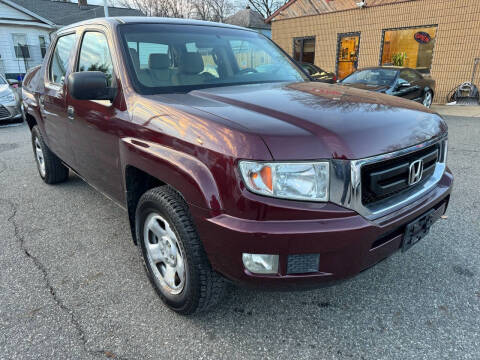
261	263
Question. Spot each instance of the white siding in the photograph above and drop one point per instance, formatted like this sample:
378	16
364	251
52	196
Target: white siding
9	63
7	12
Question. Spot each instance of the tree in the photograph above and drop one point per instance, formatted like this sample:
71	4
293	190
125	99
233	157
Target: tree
266	7
213	10
163	8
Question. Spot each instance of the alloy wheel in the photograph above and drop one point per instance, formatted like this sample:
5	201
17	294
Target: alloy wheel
40	158
164	254
427	99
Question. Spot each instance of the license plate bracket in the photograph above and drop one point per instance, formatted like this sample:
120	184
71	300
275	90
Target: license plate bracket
418	229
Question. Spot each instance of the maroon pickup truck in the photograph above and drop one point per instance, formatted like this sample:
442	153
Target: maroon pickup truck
231	165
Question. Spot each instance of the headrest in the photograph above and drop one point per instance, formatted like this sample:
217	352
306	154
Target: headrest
158	61
191	63
135	58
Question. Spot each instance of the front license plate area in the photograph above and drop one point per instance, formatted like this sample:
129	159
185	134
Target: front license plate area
418	229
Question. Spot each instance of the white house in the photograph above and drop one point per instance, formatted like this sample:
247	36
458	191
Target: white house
24	38
26	26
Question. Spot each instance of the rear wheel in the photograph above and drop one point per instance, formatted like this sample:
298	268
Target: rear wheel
173	254
49	166
427	98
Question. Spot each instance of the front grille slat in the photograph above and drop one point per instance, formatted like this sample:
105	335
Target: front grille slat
388	178
4	113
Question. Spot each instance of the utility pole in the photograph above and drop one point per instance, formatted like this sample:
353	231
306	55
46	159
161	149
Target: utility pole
105	8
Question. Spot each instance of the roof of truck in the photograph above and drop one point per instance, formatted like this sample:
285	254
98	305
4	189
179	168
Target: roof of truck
152	20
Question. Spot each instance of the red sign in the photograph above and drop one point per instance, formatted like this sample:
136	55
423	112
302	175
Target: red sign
422	37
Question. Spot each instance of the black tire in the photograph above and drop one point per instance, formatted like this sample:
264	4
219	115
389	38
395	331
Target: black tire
203	287
54	171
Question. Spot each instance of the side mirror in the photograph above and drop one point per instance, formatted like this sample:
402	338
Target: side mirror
90	85
403	85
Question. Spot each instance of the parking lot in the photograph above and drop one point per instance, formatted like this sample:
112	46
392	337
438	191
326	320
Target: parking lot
73	285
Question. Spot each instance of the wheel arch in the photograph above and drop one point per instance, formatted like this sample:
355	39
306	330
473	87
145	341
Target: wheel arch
31	121
147	165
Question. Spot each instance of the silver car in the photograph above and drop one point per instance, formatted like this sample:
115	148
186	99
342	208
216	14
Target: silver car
9	102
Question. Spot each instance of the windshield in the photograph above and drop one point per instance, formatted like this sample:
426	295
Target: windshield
372	77
177	58
2	81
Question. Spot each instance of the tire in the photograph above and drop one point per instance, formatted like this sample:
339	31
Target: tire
194	285
427	98
50	167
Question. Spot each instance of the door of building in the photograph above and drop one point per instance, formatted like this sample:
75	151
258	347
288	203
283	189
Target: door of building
347	54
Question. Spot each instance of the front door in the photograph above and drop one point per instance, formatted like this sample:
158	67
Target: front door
347	54
53	105
96	124
409	85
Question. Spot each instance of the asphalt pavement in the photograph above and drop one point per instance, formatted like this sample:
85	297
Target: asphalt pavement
72	285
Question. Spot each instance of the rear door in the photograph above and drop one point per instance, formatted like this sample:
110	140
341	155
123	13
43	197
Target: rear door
96	124
52	101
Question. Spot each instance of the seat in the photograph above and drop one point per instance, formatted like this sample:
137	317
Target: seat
189	69
159	68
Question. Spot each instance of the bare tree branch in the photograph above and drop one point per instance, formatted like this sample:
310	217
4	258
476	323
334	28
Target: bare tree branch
266	7
212	10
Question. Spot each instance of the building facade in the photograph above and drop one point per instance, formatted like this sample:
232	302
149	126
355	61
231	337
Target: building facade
437	37
24	39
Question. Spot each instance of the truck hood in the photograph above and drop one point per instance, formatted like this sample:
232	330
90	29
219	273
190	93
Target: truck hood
311	120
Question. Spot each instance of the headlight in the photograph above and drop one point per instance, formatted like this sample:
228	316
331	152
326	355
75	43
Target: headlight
7	98
295	180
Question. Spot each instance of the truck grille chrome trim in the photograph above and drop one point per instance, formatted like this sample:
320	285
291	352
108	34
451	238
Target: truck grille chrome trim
383	187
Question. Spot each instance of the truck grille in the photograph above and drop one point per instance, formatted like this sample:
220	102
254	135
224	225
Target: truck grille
387	178
4	113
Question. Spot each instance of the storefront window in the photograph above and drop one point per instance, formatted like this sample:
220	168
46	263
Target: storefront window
347	54
304	49
412	47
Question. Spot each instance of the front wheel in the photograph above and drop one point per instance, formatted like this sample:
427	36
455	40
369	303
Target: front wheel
173	254
427	98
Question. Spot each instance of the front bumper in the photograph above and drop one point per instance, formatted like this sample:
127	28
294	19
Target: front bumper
347	244
10	111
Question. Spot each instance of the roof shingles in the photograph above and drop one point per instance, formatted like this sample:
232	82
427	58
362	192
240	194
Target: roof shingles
65	13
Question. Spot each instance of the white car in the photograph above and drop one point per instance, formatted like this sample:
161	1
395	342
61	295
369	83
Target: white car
9	102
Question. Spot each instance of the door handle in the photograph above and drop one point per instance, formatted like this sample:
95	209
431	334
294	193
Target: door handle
71	112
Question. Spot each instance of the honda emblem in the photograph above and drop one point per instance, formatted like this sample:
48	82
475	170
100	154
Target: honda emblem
415	173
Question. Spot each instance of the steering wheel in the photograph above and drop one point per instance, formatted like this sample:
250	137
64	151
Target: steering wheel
247	70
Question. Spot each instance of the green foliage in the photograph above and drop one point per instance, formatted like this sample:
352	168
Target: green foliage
398	59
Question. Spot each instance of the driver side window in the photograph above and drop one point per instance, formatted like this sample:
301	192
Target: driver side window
407	76
95	55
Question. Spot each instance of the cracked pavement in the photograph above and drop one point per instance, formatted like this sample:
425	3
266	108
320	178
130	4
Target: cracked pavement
72	285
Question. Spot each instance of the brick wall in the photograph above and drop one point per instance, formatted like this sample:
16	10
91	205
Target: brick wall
457	39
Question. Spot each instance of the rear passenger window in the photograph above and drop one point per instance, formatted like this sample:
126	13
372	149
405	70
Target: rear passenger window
60	57
95	55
